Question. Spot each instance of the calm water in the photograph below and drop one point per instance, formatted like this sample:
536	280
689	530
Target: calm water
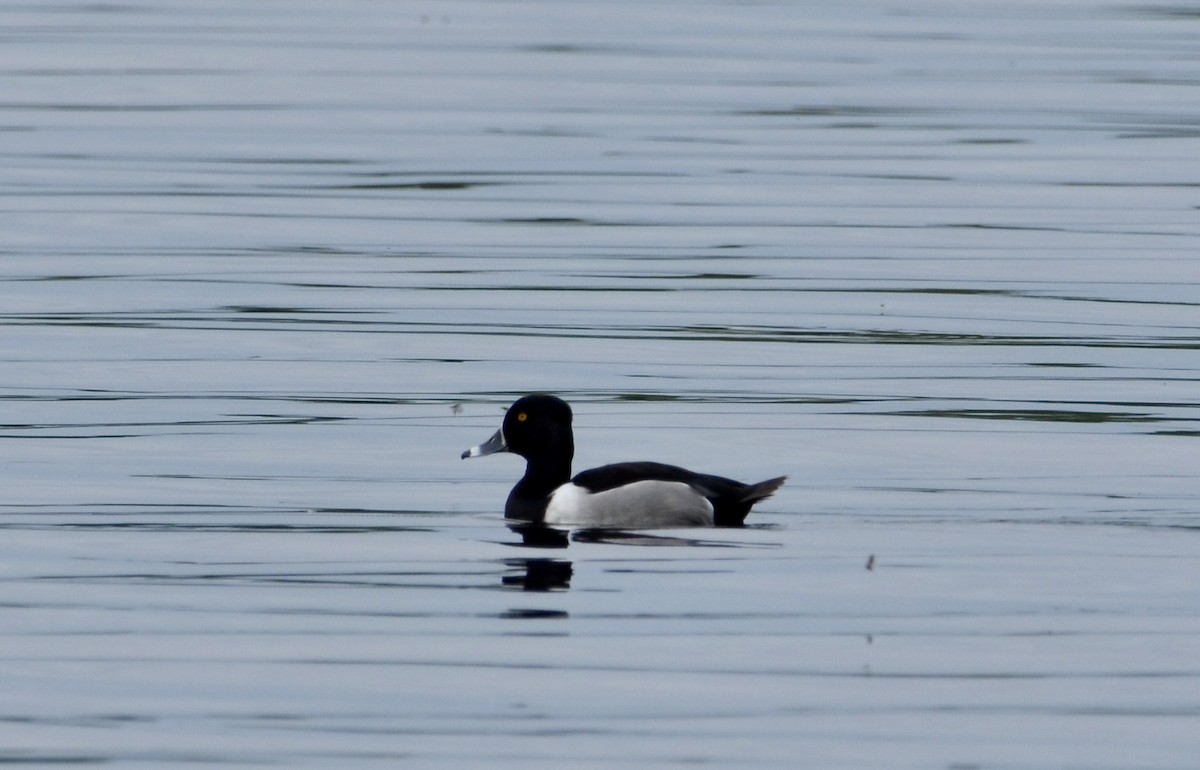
266	269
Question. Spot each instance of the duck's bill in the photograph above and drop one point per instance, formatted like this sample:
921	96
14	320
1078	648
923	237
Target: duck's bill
494	444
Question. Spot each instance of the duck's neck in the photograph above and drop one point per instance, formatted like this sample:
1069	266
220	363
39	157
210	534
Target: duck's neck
543	475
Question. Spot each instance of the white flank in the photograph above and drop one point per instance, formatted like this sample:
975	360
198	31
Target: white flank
640	505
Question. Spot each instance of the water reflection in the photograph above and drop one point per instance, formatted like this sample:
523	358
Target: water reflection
628	537
533	614
545	574
539	574
537	535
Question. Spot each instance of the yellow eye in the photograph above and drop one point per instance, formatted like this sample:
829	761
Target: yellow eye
522	417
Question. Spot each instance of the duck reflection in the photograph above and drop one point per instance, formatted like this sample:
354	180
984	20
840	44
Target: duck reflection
544	574
627	537
539	574
539	535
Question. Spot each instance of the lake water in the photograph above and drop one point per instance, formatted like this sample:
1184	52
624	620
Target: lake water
267	268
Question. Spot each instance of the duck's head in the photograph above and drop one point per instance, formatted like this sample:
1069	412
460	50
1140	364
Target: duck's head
536	426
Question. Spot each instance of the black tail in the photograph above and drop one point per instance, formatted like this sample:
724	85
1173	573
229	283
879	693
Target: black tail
732	510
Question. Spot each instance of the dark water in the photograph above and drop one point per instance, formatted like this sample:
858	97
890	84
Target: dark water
266	269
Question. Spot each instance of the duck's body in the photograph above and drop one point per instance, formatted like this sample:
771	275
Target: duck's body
623	495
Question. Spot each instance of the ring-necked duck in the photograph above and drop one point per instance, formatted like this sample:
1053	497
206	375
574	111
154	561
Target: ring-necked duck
624	495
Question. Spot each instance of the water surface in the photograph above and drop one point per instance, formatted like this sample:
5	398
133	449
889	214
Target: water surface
266	270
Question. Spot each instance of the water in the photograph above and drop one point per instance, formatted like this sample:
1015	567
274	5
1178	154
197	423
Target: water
266	269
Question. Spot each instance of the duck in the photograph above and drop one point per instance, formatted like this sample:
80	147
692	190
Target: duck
627	495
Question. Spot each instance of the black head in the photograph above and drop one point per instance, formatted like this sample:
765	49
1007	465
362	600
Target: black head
539	426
